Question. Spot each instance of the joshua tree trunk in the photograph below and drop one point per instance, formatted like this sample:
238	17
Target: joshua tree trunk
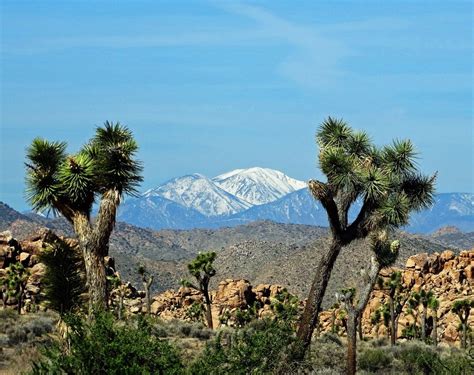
359	327
464	335
351	343
316	294
96	279
393	324
434	334
94	243
207	299
423	324
354	314
147	286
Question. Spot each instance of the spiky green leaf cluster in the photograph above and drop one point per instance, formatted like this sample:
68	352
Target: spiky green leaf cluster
386	178
203	263
63	282
65	183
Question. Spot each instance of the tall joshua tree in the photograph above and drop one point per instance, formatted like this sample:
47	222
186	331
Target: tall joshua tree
385	254
202	269
384	180
105	168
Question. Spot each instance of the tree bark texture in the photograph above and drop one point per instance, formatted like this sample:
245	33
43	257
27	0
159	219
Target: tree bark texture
351	342
208	309
318	288
96	279
434	334
393	325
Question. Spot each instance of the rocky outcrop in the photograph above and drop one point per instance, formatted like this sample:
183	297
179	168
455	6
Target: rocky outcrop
25	252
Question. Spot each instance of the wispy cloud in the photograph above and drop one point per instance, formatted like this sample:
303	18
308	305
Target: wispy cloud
315	58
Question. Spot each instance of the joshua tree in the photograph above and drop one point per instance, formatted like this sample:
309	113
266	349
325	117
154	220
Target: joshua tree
63	281
202	269
425	298
104	168
384	180
147	281
433	304
385	254
17	277
462	309
120	290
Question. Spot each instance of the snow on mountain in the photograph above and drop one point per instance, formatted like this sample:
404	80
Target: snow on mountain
456	209
156	212
200	193
258	185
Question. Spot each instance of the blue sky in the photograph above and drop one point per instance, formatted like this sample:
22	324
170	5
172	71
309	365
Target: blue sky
211	86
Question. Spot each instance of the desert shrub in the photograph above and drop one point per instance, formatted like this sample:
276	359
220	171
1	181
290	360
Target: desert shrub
374	359
102	346
25	331
457	364
326	353
418	358
258	348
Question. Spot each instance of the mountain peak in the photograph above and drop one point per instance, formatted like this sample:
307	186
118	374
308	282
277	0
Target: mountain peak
258	185
198	192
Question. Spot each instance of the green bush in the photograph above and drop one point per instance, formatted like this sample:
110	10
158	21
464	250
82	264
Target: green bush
374	359
258	348
103	346
418	357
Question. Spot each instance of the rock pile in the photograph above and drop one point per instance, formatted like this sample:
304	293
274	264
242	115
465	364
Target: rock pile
25	252
449	277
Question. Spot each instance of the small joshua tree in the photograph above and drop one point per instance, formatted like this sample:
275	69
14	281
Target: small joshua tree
433	304
104	168
120	290
462	309
425	298
147	281
398	296
202	269
385	254
17	277
387	182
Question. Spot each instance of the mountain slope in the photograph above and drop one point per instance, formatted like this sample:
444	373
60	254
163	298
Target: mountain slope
258	185
450	209
199	193
157	212
264	252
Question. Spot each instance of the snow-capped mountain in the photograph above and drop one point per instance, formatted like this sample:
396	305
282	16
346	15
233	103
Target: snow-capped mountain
258	185
237	197
456	209
199	193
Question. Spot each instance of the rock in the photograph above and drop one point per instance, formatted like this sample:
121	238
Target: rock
469	272
24	258
447	255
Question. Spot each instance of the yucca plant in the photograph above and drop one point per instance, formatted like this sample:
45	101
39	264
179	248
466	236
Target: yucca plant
202	269
104	169
63	281
385	180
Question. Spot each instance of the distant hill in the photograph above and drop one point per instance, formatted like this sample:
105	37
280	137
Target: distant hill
263	252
